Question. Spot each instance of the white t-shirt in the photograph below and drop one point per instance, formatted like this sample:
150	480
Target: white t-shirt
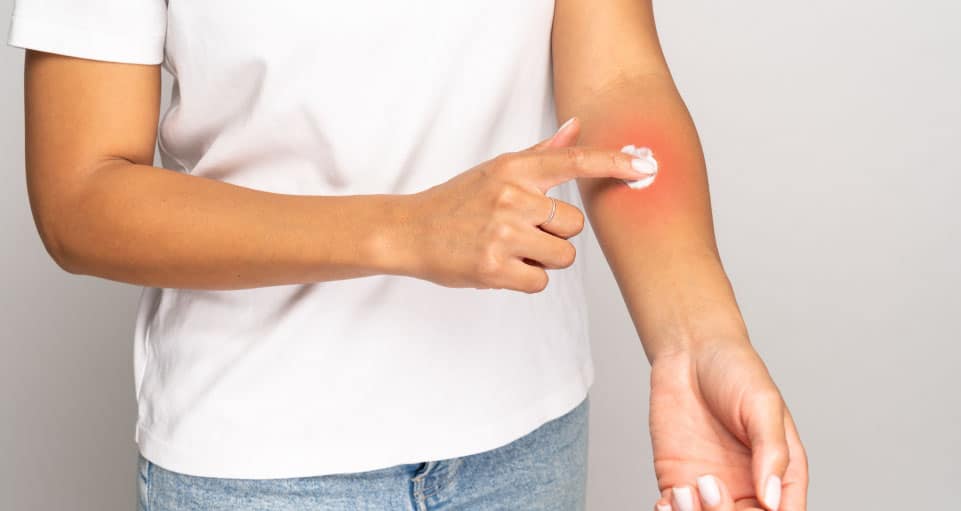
330	98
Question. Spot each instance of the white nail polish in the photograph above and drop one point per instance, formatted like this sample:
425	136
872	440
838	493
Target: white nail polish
707	486
562	126
663	507
685	501
629	149
772	492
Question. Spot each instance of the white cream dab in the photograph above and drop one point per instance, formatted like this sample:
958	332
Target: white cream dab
644	162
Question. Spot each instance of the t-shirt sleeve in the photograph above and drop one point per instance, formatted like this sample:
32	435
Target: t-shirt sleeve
131	31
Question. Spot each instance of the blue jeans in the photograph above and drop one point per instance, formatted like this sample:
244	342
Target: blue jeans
543	470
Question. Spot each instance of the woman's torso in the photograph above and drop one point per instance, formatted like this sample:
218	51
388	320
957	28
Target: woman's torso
361	97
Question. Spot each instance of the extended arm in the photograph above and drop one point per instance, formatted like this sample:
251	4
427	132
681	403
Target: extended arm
717	419
659	241
102	209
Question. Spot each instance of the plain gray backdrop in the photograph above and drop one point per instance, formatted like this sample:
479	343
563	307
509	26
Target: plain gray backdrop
831	131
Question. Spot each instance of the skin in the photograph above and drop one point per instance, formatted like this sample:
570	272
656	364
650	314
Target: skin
102	209
714	408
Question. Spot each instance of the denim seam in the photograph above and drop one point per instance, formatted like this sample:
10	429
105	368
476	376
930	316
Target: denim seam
147	487
418	495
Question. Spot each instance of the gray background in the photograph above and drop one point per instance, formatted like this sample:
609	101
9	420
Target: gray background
831	131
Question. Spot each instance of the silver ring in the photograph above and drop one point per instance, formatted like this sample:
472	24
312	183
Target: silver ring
553	210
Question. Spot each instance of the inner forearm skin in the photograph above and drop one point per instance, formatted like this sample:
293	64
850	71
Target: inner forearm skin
659	241
155	227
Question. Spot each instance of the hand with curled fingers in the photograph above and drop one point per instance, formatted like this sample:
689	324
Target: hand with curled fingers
488	227
722	436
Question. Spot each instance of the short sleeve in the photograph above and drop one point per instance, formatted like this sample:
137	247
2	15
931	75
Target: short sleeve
131	31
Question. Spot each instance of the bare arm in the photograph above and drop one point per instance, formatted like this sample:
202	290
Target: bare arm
721	433
659	241
103	210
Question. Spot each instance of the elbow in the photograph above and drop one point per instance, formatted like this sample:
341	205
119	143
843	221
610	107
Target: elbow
56	243
69	217
64	216
62	221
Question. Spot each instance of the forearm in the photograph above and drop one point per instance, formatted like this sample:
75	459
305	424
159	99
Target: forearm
659	241
155	227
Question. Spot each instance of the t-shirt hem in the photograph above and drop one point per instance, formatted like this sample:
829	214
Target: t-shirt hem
64	39
198	462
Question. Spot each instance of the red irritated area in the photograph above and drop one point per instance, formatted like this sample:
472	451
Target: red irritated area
677	204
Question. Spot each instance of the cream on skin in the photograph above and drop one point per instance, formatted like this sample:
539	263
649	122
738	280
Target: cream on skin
643	162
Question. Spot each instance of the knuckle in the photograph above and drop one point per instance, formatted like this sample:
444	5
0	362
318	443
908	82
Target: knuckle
496	164
503	232
506	163
523	162
488	267
506	195
575	155
616	159
541	163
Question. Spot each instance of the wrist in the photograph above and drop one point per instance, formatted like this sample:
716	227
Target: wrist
390	248
699	335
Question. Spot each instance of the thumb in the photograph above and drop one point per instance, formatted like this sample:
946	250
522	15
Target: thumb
765	430
565	135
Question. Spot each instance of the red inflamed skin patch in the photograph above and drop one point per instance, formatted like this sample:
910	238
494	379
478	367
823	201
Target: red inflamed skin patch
679	188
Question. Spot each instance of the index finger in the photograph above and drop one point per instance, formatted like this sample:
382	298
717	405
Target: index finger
550	167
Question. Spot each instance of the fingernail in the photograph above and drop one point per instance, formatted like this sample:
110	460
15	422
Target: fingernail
707	486
561	128
663	507
685	501
772	492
